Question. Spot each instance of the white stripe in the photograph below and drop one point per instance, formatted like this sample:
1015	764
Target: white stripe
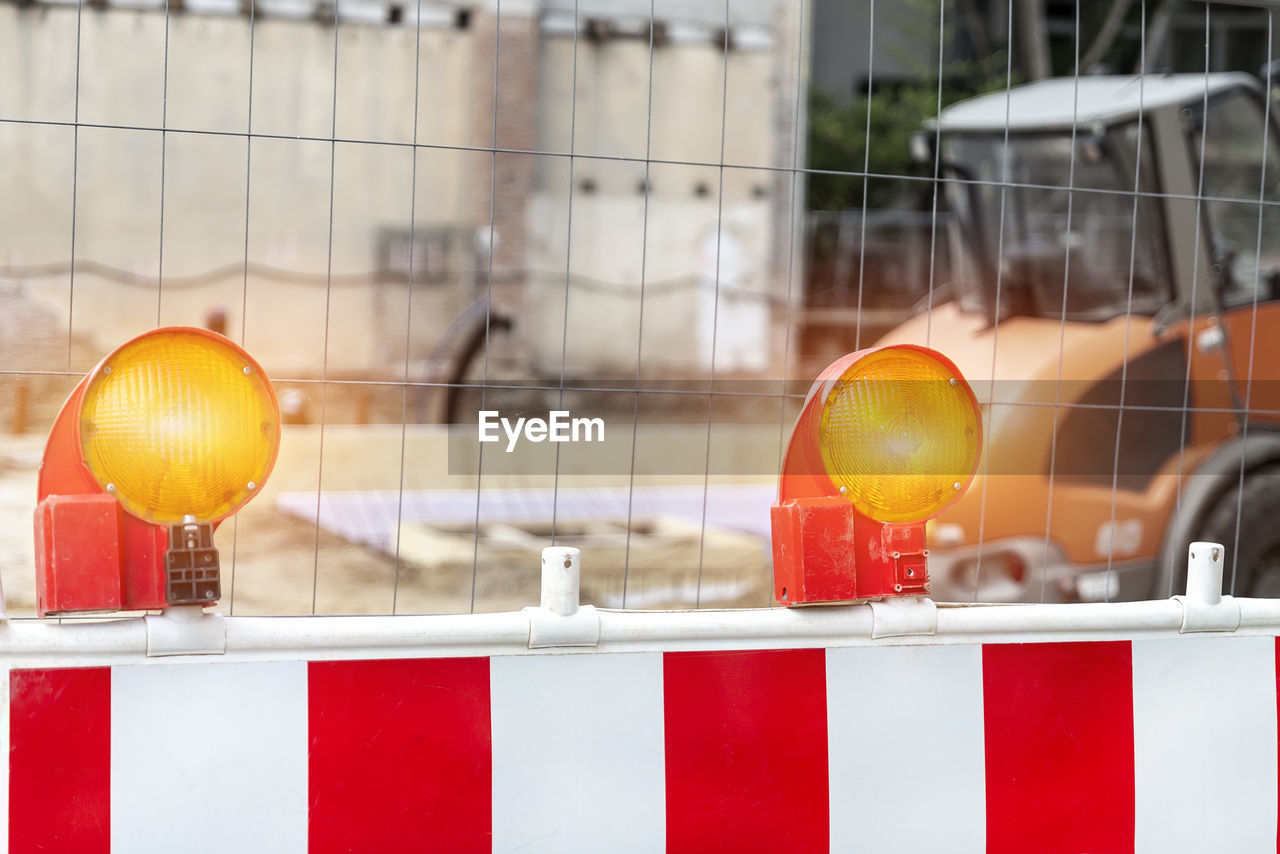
578	753
1204	723
209	757
905	749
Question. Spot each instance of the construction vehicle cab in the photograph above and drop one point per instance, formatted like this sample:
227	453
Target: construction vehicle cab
1115	302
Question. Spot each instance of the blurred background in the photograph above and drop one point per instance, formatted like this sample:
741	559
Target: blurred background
668	215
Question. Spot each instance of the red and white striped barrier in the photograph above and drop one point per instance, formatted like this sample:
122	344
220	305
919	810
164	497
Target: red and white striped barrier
1160	744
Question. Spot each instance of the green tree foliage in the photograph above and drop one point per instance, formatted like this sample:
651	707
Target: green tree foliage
838	135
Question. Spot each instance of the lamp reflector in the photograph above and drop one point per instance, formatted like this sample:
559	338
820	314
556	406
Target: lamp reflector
179	422
900	434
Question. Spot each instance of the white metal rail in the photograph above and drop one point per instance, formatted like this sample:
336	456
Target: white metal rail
559	625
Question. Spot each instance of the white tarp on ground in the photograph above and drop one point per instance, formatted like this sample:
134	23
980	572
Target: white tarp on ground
369	517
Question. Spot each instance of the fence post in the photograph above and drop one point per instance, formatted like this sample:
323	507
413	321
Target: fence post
1204	573
561	580
559	620
1204	608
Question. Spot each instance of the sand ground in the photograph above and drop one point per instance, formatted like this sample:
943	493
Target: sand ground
274	563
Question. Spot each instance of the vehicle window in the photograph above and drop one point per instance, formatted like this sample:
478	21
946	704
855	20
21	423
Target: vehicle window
1081	238
1242	195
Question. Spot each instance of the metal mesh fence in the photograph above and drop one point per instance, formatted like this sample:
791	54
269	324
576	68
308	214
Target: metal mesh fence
662	218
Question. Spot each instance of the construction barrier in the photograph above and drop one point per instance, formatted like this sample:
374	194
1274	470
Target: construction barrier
885	727
1149	745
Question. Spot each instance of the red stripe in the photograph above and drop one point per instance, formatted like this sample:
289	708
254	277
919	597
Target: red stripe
1059	746
400	755
60	760
746	750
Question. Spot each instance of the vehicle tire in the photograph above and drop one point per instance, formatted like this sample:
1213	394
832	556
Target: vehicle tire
1256	559
502	383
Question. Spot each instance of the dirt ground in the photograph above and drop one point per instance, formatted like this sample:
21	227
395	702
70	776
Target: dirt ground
278	564
270	561
19	461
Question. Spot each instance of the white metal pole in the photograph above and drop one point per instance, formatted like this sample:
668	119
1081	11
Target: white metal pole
1204	573
560	580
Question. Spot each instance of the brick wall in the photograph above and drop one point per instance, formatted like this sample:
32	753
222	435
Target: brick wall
514	38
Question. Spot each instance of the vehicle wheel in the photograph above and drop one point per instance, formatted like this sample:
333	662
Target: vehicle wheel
1257	557
503	384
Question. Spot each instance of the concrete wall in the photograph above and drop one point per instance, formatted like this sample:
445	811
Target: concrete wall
112	172
140	168
709	120
678	259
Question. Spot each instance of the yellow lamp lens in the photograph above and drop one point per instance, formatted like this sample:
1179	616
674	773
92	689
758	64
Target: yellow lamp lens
179	422
900	434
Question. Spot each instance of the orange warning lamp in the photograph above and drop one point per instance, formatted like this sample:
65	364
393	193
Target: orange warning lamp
887	438
170	434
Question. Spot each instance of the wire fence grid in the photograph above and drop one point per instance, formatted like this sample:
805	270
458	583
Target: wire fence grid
664	215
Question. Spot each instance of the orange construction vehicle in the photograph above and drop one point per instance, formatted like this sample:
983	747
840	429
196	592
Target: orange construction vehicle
1115	303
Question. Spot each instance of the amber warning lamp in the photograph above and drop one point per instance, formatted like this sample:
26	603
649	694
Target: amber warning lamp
171	433
887	438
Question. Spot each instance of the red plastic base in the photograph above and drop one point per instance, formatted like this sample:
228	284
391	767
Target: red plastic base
92	556
825	551
83	571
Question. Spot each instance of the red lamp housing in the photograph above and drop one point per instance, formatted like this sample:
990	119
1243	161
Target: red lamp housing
171	433
887	438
